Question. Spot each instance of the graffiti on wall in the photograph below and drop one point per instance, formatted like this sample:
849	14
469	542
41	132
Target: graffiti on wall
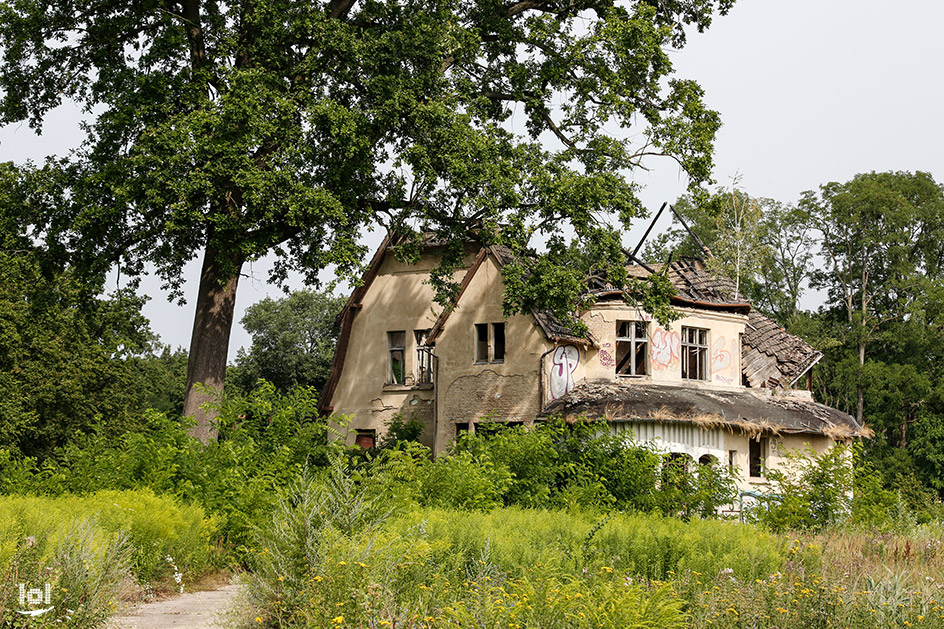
665	348
606	356
720	356
563	364
722	359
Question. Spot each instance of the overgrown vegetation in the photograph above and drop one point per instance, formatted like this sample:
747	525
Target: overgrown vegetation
82	550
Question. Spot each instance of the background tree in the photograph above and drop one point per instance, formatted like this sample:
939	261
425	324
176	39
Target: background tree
292	341
69	361
881	240
231	129
764	247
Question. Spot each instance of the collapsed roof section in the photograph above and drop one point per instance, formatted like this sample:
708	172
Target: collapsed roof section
770	356
752	412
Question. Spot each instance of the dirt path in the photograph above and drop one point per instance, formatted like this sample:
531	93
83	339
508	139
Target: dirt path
197	610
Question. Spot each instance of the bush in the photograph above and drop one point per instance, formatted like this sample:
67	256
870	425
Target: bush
811	492
435	568
81	565
153	527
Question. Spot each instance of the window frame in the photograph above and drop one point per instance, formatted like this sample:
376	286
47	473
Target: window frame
700	350
757	453
634	342
391	350
485	343
493	345
423	366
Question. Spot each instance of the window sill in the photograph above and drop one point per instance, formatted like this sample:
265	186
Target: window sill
409	387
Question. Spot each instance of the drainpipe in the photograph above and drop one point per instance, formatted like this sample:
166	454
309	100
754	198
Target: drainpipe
541	379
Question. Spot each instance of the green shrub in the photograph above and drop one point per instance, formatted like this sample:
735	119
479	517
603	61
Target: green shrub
332	558
81	563
811	491
153	527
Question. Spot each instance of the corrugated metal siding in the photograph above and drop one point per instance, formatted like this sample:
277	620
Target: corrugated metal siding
676	437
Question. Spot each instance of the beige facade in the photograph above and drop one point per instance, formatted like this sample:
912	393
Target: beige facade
399	354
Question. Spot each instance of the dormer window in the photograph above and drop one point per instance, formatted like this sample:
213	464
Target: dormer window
632	348
694	353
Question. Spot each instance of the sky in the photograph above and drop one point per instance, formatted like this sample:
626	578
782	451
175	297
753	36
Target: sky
809	91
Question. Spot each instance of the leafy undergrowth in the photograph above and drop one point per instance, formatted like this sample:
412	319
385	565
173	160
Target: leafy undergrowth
335	557
78	553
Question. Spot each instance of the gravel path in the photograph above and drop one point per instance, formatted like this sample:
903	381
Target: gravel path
197	610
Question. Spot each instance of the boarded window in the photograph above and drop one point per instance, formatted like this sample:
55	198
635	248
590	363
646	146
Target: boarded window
694	353
758	456
481	342
632	348
365	439
498	342
424	357
396	357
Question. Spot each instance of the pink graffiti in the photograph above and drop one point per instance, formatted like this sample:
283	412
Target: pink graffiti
564	362
606	358
720	356
665	348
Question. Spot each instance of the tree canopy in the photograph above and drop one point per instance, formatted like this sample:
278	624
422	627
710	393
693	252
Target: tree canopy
233	129
293	341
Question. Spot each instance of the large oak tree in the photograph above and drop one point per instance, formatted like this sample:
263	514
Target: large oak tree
235	128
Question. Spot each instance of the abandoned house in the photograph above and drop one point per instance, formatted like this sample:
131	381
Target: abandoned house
718	384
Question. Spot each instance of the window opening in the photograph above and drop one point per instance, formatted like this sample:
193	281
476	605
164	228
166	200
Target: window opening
732	460
758	455
632	348
366	438
396	357
675	467
424	358
498	342
694	353
489	342
481	342
462	427
706	459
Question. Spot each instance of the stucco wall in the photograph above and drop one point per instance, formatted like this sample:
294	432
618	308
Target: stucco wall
665	365
399	298
468	390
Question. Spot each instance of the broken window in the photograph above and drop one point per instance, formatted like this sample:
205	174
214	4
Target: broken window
707	459
365	438
632	348
694	353
498	342
396	357
489	342
424	358
481	342
758	456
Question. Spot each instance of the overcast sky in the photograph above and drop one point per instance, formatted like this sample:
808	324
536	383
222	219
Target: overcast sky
810	91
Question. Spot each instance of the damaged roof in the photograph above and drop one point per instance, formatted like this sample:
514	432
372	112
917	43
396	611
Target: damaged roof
749	411
770	356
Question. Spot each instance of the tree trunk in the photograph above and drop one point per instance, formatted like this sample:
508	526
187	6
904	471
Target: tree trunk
209	343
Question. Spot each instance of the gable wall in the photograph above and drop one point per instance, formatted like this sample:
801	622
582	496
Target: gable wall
469	390
399	298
